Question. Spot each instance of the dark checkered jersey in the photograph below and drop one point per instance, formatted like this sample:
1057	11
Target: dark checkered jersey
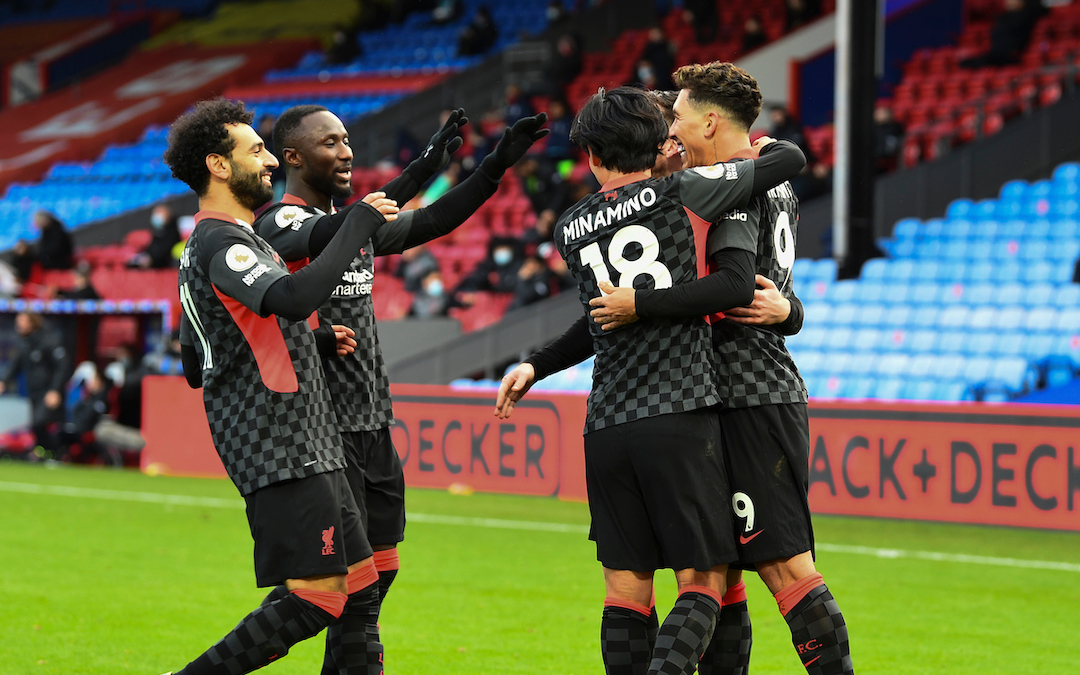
359	384
641	233
263	386
754	365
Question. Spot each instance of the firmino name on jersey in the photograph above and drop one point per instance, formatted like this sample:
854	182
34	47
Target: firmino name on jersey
590	222
356	282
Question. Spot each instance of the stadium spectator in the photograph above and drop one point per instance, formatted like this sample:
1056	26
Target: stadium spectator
497	272
42	359
534	282
543	185
479	35
516	105
71	326
555	13
23	260
655	63
753	34
446	11
231	279
317	158
165	235
344	46
558	145
55	250
888	138
91	405
414	265
702	15
798	13
1009	35
432	298
565	65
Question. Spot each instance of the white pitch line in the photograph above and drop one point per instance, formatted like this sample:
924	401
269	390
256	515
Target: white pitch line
531	526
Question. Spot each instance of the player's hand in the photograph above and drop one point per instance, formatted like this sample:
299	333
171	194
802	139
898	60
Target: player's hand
513	145
513	386
436	155
344	337
615	308
52	399
387	207
769	305
760	143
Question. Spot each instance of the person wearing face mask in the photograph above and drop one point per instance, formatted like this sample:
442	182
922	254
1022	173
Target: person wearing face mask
432	300
158	254
498	271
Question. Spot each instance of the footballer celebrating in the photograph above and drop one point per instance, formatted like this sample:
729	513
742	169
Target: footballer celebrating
245	340
657	486
314	147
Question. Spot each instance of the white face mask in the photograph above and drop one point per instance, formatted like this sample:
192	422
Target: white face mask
157	220
502	256
435	289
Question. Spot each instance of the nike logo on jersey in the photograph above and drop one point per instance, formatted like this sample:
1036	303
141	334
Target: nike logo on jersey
746	539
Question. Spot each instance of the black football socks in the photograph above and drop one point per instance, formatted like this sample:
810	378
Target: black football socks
267	633
686	631
353	646
817	627
728	652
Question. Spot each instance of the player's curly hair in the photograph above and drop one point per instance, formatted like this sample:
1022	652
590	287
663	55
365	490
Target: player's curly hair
287	123
623	127
201	132
666	101
724	86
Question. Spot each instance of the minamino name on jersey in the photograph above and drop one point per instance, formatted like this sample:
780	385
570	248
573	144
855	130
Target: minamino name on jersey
590	222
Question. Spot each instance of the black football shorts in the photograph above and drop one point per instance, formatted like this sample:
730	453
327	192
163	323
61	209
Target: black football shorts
767	451
378	484
304	528
658	494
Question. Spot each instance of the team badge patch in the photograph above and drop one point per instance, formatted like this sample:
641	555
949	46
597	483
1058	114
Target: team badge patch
715	171
239	257
290	216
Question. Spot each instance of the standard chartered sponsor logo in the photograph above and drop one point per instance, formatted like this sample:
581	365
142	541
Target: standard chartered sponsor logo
355	282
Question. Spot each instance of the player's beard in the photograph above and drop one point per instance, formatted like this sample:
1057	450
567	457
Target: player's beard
328	185
248	187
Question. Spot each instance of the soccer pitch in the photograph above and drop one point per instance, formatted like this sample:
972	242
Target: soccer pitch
116	572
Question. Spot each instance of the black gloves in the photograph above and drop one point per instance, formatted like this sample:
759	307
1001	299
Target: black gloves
437	154
515	142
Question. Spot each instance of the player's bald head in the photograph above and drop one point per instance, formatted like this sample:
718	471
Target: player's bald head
288	127
723	87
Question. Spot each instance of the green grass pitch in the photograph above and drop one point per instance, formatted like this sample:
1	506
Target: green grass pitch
106	572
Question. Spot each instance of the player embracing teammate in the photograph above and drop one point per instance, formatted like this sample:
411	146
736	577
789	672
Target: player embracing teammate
763	417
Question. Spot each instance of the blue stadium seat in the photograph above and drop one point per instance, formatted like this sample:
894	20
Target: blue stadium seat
1037	295
895	293
958	229
902	271
843	314
952	341
920	389
810	337
1011	343
1015	190
843	291
1040	344
871	291
825	268
1039	318
950	366
978	369
958	208
952	271
866	339
921	341
1067	295
925	293
838	338
1069	172
1014	372
893	340
803	269
874	269
921	365
810	361
889	388
982	343
953	390
835	363
907	228
862	363
953	317
923	316
856	387
872	314
893	364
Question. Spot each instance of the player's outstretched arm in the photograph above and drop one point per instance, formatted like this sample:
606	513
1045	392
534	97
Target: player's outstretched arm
569	349
297	295
431	161
461	201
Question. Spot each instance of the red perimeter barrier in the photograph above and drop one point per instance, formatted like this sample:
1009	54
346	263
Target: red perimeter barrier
153	87
337	86
1011	465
